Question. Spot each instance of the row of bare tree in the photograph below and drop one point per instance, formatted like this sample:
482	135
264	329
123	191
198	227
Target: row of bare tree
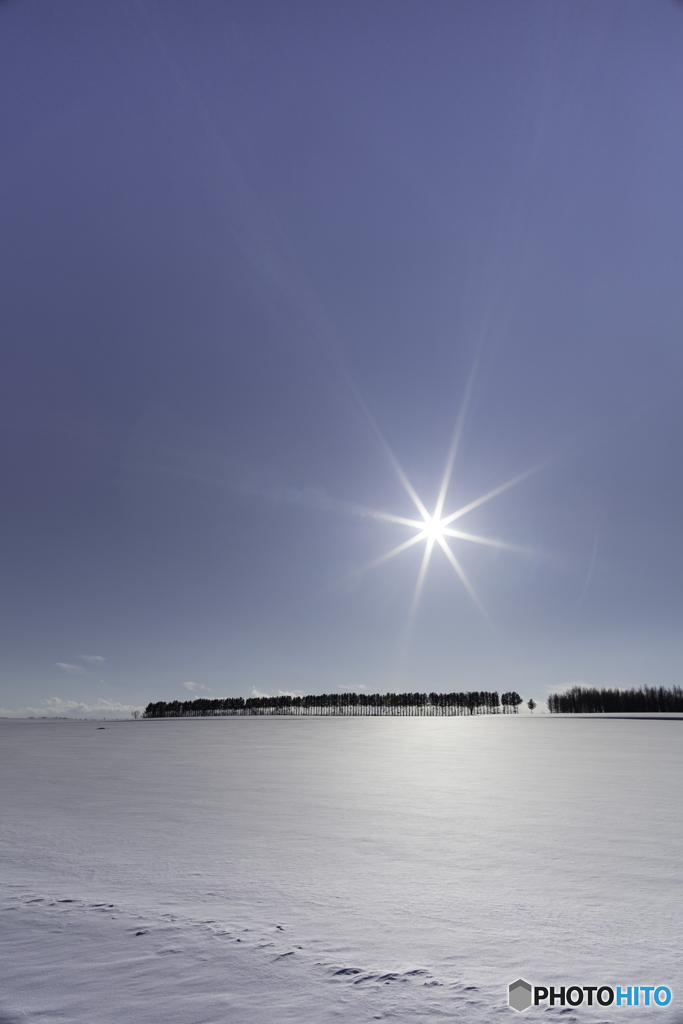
583	700
474	702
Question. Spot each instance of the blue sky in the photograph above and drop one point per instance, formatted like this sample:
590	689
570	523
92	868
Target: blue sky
247	249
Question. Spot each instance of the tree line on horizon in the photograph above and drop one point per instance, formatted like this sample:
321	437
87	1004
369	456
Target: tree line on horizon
474	702
583	700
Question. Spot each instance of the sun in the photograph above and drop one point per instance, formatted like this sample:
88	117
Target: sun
435	529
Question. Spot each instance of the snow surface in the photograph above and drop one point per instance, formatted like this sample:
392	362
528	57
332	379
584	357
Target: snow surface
311	870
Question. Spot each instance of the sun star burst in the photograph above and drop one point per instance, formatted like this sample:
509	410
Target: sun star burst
437	530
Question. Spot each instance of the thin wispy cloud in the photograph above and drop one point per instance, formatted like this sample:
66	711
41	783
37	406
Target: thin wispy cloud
58	707
195	687
72	669
93	659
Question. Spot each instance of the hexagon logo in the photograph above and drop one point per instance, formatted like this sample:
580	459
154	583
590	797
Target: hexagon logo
519	995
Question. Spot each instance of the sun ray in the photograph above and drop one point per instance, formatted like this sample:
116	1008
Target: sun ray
487	497
390	554
387	517
421	578
463	578
457	434
409	487
475	539
396	465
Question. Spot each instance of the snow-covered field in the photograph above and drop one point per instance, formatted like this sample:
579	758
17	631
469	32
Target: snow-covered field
264	870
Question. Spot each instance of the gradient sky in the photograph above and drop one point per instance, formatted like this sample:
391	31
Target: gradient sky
235	235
